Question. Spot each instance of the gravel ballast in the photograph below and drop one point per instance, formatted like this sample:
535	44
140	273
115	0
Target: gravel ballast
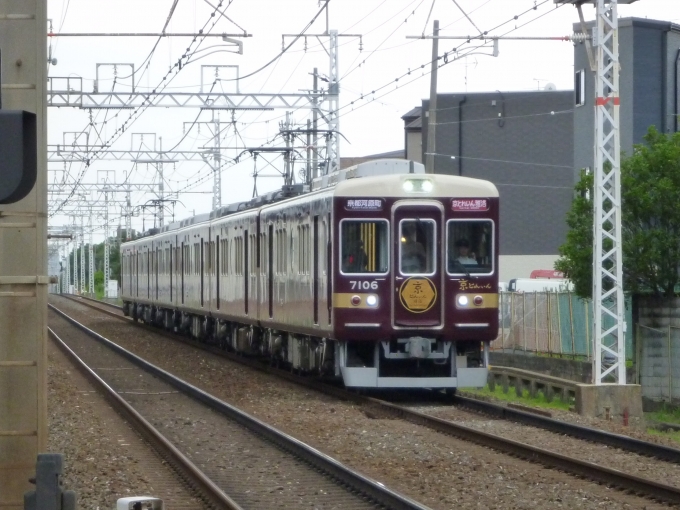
437	470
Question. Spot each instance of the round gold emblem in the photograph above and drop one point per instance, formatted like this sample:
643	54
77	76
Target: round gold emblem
418	294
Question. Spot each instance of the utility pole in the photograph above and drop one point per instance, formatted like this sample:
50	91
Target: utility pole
82	256
67	289
609	317
217	186
214	153
161	190
288	178
76	238
90	258
333	137
315	127
107	248
333	97
432	113
609	321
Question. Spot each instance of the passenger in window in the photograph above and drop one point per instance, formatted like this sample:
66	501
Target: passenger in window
464	255
355	258
413	255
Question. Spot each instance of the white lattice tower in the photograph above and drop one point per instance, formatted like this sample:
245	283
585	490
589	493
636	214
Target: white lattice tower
128	216
217	171
333	137
609	317
67	267
82	257
106	245
75	263
90	259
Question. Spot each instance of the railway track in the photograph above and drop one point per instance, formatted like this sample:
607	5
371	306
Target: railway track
591	471
256	466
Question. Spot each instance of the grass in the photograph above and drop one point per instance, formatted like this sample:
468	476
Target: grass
672	435
667	414
525	399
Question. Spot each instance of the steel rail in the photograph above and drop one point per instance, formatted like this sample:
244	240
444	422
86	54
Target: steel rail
372	489
544	457
622	442
160	443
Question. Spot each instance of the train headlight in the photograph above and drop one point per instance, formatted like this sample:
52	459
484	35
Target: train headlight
418	186
463	300
372	300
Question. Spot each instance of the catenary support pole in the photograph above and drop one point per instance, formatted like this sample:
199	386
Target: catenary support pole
609	316
432	112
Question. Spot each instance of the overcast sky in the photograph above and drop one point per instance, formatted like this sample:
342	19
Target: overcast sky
370	121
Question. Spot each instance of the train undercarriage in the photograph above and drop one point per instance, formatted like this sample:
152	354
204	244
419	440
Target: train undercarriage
412	362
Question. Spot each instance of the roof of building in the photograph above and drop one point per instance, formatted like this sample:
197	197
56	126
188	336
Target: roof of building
412	114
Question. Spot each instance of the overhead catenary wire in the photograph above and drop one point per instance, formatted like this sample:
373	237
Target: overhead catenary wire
369	98
187	55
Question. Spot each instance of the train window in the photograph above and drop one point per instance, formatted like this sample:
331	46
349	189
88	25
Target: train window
281	252
238	256
417	246
223	256
364	246
304	255
470	246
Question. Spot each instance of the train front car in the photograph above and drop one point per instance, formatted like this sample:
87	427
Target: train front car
415	302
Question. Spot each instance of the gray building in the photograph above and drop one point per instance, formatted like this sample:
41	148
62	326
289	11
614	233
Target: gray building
649	53
523	143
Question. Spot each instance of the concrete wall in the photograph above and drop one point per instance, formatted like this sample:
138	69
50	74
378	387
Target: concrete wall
523	143
648	51
659	348
573	370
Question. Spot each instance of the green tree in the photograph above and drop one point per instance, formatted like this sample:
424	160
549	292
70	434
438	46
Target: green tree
576	260
650	192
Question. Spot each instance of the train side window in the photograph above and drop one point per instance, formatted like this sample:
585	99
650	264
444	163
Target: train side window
470	247
417	246
364	246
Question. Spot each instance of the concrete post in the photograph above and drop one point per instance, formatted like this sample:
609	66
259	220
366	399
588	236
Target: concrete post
23	261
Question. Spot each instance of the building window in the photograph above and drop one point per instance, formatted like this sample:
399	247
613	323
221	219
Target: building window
580	87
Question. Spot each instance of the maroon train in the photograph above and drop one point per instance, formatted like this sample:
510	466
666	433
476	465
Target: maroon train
384	276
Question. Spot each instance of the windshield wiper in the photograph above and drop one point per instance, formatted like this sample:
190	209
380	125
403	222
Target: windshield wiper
462	266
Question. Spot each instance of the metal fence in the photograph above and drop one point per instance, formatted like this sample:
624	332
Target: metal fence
550	323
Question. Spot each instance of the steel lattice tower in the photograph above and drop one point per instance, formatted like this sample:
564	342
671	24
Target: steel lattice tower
609	317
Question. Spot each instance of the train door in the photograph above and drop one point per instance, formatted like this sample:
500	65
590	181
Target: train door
315	269
416	302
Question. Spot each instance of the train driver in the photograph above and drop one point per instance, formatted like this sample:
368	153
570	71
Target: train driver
413	256
464	255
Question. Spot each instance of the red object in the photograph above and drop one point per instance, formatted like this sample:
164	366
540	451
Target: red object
478	300
546	273
356	300
601	101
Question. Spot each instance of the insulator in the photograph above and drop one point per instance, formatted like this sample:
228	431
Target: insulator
579	37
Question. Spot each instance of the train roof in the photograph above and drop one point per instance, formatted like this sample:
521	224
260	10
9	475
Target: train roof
375	168
384	177
393	186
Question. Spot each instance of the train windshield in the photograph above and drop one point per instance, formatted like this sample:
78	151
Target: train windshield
364	246
470	246
417	247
